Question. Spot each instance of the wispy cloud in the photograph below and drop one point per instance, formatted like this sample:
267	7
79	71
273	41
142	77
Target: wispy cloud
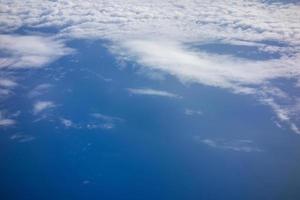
39	90
7	83
282	113
103	121
192	112
237	74
6	121
231	145
40	106
152	92
22	138
6	86
106	117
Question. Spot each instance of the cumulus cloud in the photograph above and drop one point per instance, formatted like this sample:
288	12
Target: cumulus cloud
152	92
246	146
40	106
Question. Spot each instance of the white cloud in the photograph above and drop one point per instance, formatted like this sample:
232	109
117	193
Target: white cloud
40	106
284	114
67	122
6	86
188	20
152	92
214	70
6	121
7	83
295	128
29	51
232	145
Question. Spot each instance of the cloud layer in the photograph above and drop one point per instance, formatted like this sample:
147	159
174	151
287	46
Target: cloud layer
162	35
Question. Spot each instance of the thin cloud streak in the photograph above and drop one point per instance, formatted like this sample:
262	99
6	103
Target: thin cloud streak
246	146
152	92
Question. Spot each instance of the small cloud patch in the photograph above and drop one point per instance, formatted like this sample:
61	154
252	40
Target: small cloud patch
240	145
6	121
152	92
40	106
21	138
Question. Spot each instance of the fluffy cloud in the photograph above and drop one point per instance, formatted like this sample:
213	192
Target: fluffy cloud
188	20
29	51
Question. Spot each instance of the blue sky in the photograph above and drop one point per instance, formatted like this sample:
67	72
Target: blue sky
149	99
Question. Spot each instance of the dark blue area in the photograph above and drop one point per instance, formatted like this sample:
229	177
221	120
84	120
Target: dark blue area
153	153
